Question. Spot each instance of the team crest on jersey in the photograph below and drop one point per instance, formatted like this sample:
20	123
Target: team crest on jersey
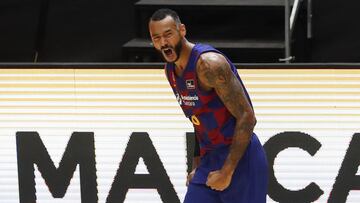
190	84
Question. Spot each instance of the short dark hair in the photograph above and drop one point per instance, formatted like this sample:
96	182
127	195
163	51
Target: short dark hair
163	13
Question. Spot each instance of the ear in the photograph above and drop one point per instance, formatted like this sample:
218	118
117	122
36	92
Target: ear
182	29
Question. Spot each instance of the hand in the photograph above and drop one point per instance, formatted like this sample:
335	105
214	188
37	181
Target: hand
218	180
190	176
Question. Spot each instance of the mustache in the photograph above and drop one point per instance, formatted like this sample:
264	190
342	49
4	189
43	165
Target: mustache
166	47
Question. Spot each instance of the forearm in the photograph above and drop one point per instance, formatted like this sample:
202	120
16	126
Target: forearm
241	139
215	72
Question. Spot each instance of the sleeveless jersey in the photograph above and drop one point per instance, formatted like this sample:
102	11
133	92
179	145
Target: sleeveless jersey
214	125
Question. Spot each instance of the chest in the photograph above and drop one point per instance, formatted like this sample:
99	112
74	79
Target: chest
189	80
189	95
186	91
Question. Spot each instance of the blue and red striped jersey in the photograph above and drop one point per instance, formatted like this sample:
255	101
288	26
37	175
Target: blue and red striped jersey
214	125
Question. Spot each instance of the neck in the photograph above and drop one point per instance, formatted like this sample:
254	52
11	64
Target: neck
184	54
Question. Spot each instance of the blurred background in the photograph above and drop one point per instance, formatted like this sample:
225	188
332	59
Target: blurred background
248	31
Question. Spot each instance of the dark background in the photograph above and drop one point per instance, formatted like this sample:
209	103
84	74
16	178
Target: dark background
95	30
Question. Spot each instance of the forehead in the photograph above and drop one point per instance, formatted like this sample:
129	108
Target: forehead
158	27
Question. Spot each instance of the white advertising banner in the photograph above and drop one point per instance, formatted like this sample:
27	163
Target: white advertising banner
118	135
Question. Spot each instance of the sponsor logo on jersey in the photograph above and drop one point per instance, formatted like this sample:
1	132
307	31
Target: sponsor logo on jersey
190	84
178	98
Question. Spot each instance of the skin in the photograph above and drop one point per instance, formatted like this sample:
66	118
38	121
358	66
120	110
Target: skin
213	73
167	33
196	163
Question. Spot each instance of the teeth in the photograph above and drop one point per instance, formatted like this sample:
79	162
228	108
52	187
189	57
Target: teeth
167	51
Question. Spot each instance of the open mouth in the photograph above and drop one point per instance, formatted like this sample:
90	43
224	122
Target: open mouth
168	52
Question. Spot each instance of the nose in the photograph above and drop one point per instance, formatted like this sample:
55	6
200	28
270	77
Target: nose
163	42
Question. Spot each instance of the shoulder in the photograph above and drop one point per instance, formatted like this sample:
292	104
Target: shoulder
210	66
211	60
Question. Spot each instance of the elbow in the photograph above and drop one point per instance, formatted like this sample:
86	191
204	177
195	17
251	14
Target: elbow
246	123
254	120
251	119
250	122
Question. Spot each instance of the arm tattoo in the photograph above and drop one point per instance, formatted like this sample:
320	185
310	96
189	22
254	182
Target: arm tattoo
214	71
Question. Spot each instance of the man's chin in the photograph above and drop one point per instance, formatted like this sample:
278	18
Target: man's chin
173	60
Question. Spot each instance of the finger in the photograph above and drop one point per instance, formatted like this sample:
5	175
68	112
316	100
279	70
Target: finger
208	183
212	173
218	188
212	187
215	188
210	179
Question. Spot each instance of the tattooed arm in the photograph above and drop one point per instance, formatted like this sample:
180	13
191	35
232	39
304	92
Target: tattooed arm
214	72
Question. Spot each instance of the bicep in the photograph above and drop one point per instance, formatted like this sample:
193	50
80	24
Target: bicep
216	73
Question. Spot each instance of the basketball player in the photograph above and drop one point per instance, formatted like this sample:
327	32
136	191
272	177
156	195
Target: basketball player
233	166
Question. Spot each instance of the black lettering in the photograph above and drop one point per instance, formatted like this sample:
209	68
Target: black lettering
140	145
273	147
79	150
347	179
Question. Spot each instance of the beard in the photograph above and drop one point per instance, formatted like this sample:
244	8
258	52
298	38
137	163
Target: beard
177	50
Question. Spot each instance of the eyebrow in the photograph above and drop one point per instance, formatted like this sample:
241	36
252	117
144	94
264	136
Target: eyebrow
157	34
